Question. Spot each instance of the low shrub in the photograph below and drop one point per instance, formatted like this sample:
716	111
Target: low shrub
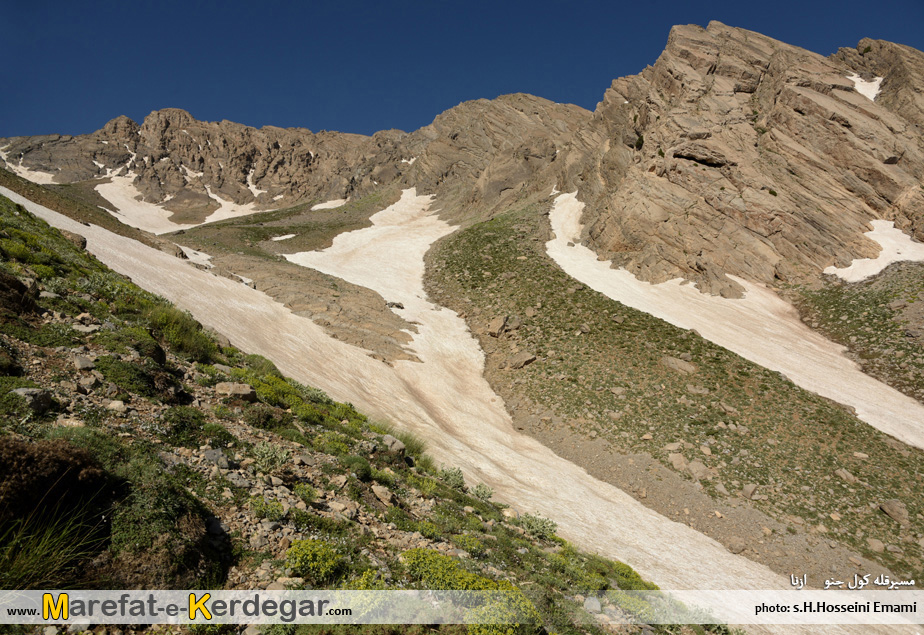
317	561
269	457
453	477
263	508
537	526
358	466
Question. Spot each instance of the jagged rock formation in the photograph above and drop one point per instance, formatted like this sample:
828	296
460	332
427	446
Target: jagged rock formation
738	154
733	154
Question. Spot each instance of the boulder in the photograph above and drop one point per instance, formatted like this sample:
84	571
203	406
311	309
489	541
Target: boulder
244	392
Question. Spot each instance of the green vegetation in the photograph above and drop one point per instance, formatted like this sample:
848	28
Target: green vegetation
317	561
759	427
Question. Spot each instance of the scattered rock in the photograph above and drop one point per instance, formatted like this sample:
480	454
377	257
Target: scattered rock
896	510
677	461
736	545
845	475
383	494
82	362
496	326
393	444
679	365
38	400
876	546
698	470
522	359
748	490
243	392
592	605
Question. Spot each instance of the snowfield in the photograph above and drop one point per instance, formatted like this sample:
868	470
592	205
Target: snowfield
761	327
329	204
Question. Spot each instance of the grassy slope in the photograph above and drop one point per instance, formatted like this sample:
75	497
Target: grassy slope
868	318
157	536
794	440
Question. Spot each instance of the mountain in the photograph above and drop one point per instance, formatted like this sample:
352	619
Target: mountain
773	405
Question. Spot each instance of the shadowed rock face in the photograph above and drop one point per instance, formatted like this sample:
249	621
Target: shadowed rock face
734	153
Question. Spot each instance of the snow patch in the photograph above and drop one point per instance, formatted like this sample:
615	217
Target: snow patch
36	176
198	257
279	197
760	327
554	190
253	188
409	161
896	246
286	237
870	90
329	204
122	193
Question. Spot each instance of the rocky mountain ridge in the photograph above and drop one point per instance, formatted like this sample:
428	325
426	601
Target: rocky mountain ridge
733	154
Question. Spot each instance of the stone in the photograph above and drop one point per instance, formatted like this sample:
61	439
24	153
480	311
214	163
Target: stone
876	546
673	447
276	586
37	399
393	444
496	326
234	390
846	476
216	457
383	494
698	470
896	510
748	490
685	368
736	544
116	405
677	461
592	605
522	359
720	488
222	368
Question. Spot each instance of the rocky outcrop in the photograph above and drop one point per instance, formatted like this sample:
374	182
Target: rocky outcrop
739	154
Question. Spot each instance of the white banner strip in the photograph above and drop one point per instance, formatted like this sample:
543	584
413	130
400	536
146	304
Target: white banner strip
458	607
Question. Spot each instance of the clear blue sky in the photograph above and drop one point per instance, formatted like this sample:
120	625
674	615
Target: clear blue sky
364	66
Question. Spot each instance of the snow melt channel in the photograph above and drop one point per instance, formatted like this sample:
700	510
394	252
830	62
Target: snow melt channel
761	327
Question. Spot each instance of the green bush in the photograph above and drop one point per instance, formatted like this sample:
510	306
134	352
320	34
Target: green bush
452	476
309	523
266	417
270	510
537	526
482	492
317	561
306	492
269	457
183	425
358	466
471	544
183	334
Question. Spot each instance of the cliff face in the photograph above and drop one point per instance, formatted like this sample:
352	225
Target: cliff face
738	154
733	154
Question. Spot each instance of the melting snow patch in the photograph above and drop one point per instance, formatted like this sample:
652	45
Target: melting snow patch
870	90
760	327
198	257
121	192
286	237
554	190
42	178
409	161
253	188
329	204
896	247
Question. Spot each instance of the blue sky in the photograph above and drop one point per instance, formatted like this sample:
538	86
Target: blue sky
364	66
